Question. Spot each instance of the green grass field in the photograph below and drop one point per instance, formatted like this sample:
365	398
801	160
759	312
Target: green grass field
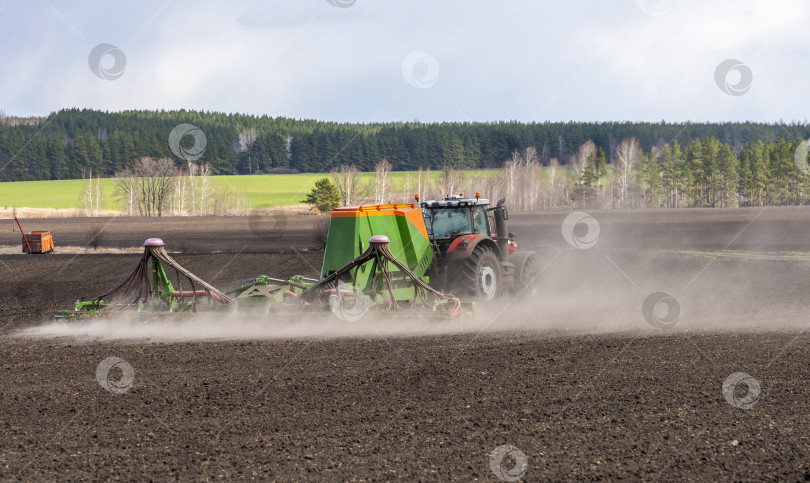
262	191
60	194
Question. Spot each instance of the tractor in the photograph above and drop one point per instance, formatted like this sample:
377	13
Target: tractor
397	260
460	245
474	254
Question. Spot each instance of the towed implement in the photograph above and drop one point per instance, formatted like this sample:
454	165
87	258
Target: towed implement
389	260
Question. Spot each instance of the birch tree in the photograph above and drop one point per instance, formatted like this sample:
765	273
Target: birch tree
192	176
348	179
407	188
627	155
511	167
92	195
126	191
205	185
382	180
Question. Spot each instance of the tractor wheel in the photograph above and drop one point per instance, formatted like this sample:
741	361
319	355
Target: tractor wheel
480	275
528	284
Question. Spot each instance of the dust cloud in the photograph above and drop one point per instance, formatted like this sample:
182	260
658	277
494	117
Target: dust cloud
656	272
595	291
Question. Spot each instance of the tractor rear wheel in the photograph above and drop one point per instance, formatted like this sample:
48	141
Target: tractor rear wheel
481	276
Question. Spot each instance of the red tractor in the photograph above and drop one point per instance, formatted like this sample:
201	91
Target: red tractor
474	254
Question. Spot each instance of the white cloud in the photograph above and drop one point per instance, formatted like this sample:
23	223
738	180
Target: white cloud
586	60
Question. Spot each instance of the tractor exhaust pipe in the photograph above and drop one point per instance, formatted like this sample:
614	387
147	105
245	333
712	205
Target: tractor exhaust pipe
501	215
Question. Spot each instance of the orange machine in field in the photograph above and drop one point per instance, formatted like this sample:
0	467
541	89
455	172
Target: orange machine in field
36	241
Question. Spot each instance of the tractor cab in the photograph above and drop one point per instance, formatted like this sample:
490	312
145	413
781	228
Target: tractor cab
473	251
455	216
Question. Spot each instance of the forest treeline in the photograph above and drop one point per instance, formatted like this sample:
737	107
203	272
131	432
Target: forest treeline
706	173
71	143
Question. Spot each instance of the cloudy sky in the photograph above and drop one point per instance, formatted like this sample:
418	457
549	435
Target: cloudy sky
401	60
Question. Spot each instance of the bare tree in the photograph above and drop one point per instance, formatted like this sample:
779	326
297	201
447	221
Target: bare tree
529	157
550	201
382	181
127	192
213	200
428	185
530	179
92	195
407	188
153	183
178	200
511	168
227	202
192	175
348	179
492	187
182	190
450	183
205	186
627	155
156	187
87	196
521	179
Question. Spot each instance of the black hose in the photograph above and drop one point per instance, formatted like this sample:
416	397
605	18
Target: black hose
379	252
138	287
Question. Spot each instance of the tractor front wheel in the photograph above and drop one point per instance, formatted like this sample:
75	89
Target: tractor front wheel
481	276
529	278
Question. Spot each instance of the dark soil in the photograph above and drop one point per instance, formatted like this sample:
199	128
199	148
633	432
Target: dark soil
202	234
772	229
632	404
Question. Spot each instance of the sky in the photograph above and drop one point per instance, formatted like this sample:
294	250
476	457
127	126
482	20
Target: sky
405	60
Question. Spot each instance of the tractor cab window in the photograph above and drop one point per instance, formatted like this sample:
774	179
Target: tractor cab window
480	221
449	222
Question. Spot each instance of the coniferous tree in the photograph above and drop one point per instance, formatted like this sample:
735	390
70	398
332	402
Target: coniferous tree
324	196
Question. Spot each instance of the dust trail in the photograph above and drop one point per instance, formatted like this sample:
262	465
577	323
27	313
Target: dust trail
240	328
594	291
